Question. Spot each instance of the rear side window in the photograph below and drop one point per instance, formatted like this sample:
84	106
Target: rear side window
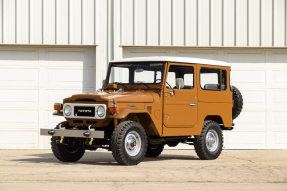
210	78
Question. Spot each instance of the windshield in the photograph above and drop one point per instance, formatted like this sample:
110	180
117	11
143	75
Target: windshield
136	73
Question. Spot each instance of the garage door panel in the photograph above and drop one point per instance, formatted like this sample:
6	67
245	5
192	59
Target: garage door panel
280	60
50	120
212	56
246	60
18	57
146	53
254	98
19	76
55	95
251	118
26	139
15	97
246	78
279	139
19	118
279	119
69	58
69	77
279	98
279	78
66	55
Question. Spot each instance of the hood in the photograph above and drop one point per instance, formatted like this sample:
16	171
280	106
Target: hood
126	97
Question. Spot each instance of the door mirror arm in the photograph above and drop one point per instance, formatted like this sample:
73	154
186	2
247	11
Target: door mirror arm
171	93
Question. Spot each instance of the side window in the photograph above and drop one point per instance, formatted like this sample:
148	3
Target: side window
223	80
180	77
210	79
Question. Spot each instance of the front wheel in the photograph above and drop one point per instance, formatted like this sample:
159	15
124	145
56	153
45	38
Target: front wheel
208	145
65	153
129	143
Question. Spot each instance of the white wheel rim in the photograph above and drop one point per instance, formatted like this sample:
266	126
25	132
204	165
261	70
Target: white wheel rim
133	143
212	140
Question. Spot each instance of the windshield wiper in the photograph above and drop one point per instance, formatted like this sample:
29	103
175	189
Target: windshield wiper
120	84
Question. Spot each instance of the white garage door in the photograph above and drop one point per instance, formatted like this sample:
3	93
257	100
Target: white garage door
31	80
261	75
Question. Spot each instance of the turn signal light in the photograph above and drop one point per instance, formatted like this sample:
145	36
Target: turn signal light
57	106
114	108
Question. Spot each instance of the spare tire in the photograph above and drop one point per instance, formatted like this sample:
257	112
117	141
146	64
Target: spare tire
238	102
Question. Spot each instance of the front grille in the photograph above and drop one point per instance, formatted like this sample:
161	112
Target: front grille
84	111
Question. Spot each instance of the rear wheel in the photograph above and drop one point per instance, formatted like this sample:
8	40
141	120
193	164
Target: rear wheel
208	145
154	150
129	143
65	153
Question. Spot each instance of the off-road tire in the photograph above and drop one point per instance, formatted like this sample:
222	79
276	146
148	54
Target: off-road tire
238	102
62	152
200	141
118	143
154	150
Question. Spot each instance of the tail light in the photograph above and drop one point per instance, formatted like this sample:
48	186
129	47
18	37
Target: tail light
58	106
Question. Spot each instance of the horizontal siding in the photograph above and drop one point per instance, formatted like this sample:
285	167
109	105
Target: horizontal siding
239	23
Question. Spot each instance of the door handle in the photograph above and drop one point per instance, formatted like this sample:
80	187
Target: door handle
192	104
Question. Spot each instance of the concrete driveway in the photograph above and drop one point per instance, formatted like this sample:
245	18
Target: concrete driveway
172	170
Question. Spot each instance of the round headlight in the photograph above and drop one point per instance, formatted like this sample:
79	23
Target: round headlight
68	110
101	111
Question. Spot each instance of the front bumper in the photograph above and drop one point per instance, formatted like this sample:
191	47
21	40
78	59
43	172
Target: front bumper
73	133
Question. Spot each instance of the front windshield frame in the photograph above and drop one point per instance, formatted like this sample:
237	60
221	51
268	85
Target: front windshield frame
137	64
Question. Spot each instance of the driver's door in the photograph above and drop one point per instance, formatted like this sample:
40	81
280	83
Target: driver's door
180	103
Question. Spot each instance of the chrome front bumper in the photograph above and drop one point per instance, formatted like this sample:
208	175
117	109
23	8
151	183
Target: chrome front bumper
73	133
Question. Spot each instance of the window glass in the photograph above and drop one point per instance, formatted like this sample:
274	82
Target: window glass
136	73
224	80
210	78
119	74
144	77
171	79
188	79
182	74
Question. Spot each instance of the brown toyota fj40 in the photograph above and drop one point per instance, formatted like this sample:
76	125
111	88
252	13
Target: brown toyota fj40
146	103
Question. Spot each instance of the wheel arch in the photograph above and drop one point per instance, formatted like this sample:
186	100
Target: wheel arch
216	118
145	120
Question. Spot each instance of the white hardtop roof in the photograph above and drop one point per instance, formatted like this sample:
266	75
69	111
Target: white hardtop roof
173	59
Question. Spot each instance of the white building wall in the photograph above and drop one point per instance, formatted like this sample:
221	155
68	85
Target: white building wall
245	33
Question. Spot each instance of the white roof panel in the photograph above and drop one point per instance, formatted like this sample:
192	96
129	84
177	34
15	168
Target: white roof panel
173	59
